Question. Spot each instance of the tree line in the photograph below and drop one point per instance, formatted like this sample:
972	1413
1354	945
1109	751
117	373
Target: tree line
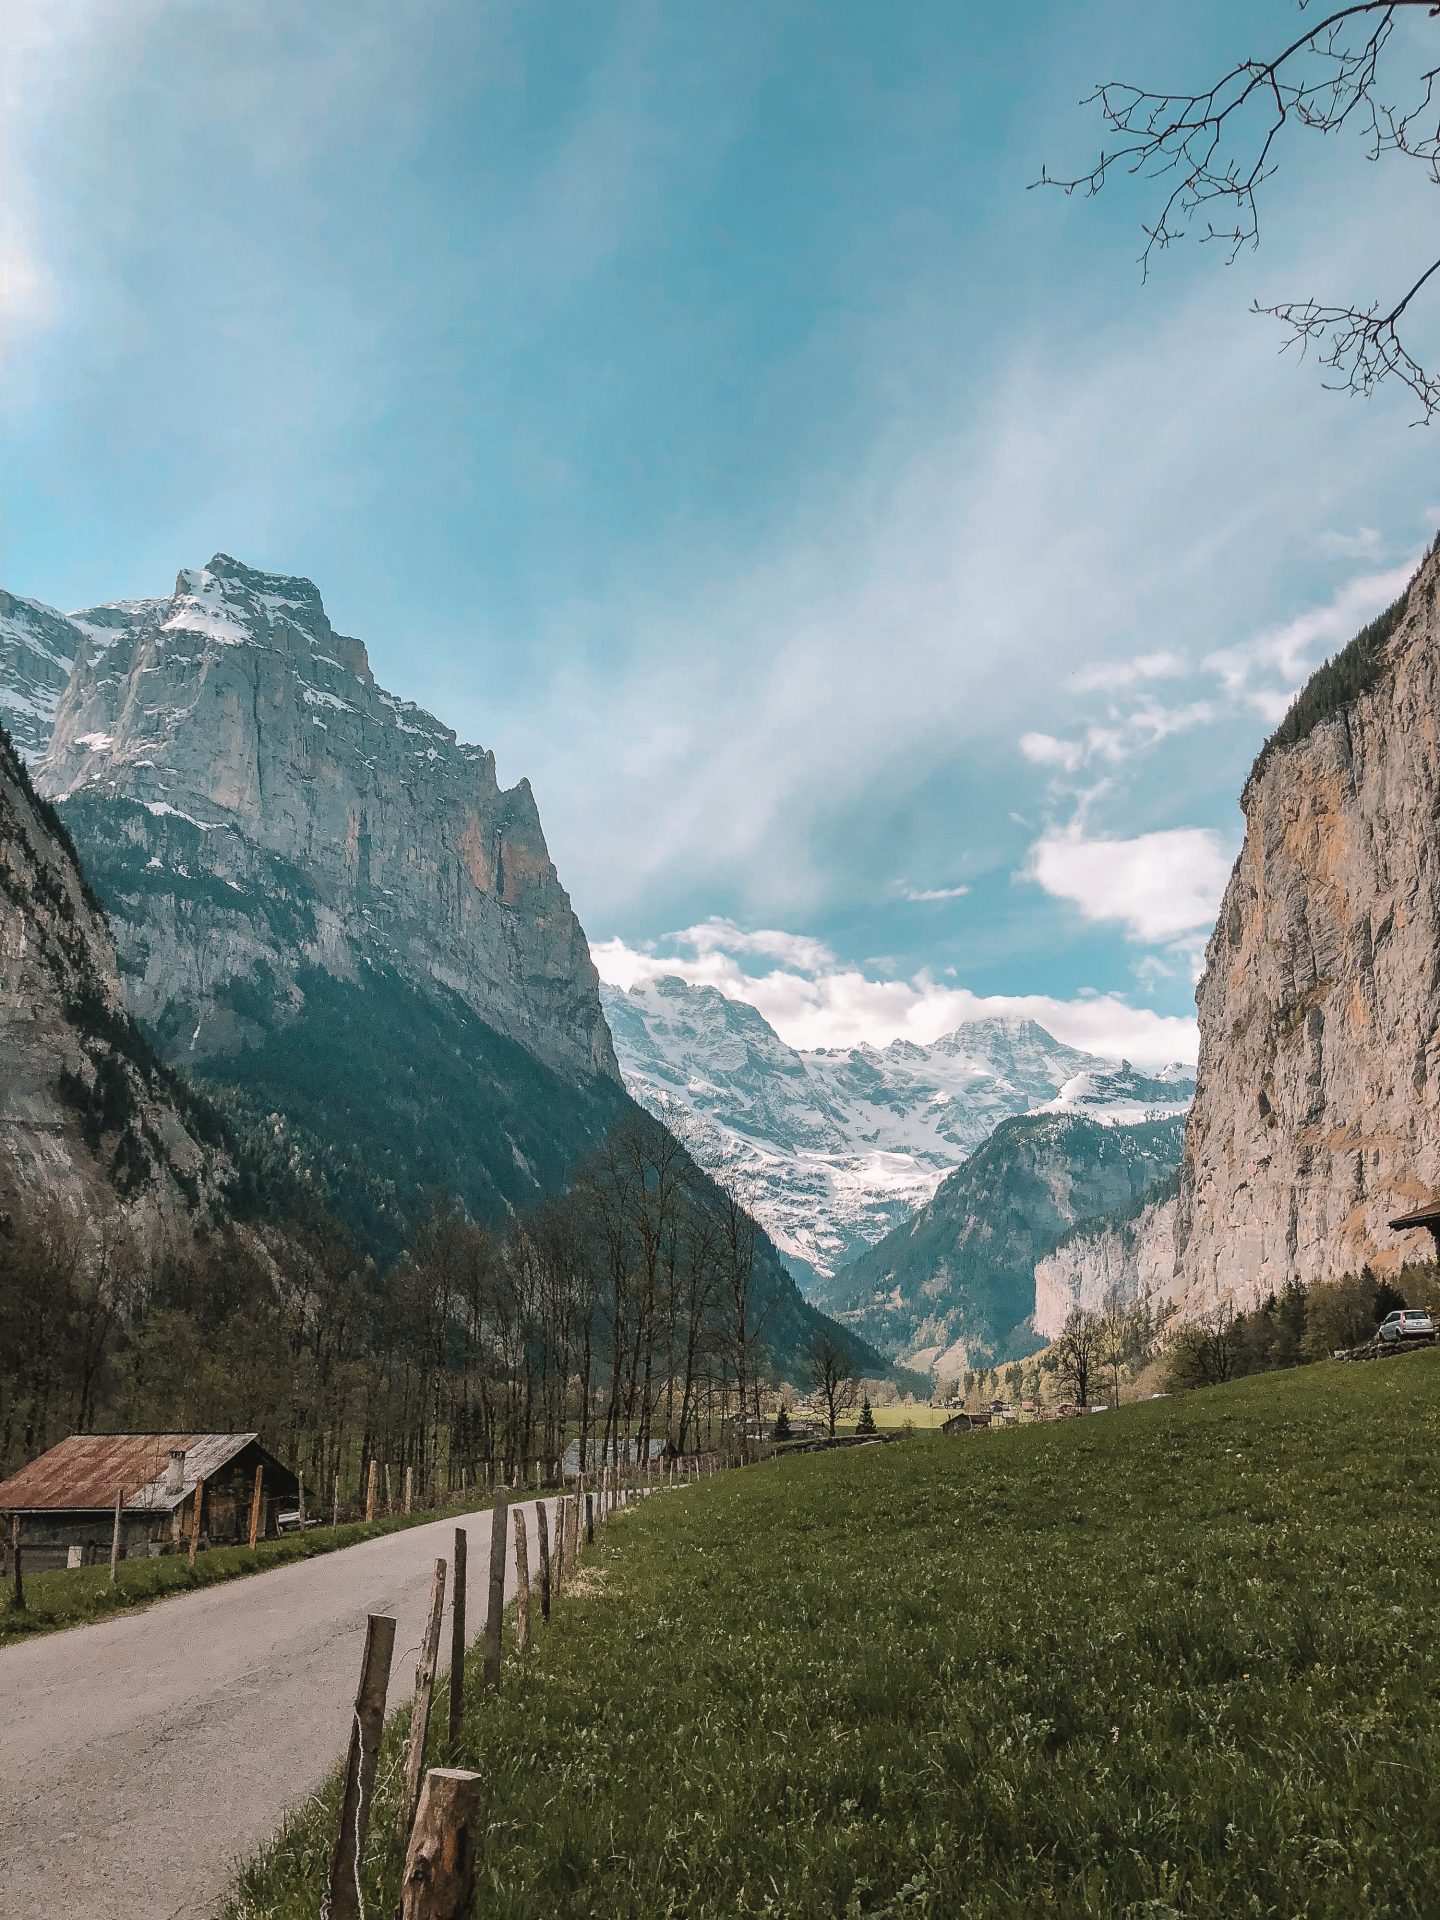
632	1310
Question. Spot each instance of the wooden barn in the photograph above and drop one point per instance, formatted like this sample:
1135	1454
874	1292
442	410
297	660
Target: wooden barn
65	1500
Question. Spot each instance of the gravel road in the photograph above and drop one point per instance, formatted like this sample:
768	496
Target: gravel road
141	1756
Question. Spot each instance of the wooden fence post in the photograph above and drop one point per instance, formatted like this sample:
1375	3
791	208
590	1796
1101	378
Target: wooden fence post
457	1641
522	1582
19	1598
409	1489
559	1569
495	1610
302	1502
389	1500
572	1543
195	1519
542	1540
115	1536
343	1902
439	1879
255	1505
335	1502
589	1519
420	1710
370	1480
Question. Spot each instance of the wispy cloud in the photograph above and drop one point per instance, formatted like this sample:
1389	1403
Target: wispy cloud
830	1005
935	893
1113	676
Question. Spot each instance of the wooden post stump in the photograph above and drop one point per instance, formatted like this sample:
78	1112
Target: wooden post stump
370	1482
439	1879
335	1502
347	1856
389	1502
409	1489
572	1541
19	1593
457	1641
115	1536
589	1519
496	1608
420	1711
522	1583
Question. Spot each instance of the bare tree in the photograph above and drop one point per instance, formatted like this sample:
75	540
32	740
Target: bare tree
1213	150
830	1373
1078	1350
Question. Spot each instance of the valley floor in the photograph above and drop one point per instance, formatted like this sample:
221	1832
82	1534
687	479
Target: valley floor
1179	1661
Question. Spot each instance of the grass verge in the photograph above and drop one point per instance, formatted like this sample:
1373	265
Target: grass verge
71	1598
1181	1660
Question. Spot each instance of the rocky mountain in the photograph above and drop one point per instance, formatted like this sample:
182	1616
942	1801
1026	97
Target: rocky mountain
326	908
89	1118
37	651
956	1285
230	740
834	1148
1317	1117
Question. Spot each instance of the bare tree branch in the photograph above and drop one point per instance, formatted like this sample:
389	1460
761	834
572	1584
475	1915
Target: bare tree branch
1215	150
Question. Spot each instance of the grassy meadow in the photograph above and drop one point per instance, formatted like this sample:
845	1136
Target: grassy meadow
1178	1660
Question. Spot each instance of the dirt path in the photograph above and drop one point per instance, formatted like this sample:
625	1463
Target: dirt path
141	1756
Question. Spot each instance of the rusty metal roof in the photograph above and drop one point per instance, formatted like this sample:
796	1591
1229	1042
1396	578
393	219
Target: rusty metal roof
84	1473
1426	1216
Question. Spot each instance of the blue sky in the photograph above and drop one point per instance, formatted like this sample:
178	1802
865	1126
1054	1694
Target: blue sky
883	591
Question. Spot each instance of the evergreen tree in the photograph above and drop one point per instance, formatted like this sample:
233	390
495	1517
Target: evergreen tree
866	1422
781	1429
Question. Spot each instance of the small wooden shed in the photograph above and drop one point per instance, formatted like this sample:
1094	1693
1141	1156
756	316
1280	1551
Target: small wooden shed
65	1500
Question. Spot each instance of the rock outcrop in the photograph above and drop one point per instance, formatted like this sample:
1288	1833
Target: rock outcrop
89	1118
250	803
1317	1116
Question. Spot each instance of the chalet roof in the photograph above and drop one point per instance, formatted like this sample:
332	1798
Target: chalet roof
1426	1216
84	1473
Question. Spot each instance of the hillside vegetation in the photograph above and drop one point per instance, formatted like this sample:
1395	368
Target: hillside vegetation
1176	1660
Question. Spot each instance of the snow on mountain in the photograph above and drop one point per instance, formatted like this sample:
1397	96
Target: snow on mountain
833	1148
37	651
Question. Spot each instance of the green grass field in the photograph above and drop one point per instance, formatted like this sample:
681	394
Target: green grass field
65	1598
1179	1661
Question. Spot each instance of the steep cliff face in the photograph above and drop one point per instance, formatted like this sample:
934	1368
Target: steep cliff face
1127	1257
252	804
1317	1115
956	1285
88	1116
37	650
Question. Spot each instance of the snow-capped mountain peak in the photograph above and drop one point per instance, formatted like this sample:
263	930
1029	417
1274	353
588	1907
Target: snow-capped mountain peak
833	1147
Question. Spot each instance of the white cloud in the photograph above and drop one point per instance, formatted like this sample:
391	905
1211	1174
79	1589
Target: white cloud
839	1006
1158	886
1267	672
1113	676
1364	543
935	893
1044	750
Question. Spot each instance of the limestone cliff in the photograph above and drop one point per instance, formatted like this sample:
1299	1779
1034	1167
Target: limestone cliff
1317	1115
251	804
88	1116
1127	1257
